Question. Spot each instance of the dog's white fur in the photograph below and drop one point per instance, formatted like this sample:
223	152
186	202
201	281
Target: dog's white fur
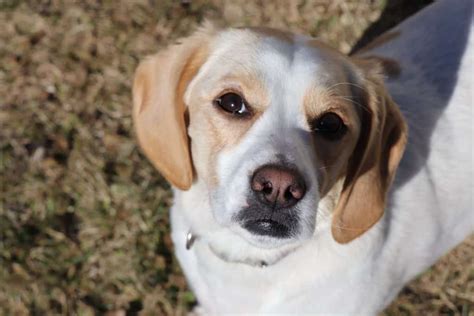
429	208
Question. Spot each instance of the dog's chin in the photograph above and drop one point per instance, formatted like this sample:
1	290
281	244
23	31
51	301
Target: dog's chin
264	241
237	245
236	241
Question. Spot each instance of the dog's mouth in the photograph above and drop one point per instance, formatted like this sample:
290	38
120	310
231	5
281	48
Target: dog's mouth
267	227
267	222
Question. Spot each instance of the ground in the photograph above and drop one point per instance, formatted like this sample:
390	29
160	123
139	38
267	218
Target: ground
83	216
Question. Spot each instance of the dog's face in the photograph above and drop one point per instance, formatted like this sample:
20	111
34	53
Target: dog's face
272	127
281	130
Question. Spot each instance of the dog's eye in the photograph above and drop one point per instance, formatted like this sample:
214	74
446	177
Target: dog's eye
232	103
329	125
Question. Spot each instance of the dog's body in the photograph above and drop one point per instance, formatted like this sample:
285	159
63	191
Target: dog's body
428	210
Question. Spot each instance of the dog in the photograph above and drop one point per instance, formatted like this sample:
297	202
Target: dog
305	180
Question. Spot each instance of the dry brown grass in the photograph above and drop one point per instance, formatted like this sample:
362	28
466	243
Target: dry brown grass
83	216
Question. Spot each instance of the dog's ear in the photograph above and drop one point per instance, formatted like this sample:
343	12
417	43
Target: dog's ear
377	154
158	107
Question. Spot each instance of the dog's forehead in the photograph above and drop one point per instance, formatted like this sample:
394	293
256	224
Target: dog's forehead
283	61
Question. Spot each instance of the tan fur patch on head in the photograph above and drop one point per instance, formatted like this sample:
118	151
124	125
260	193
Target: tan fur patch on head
249	85
214	130
390	67
189	71
270	32
332	156
326	49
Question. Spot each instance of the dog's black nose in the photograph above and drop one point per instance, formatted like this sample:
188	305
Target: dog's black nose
278	186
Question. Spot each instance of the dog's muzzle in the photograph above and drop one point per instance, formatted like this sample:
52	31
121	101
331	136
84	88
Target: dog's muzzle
272	211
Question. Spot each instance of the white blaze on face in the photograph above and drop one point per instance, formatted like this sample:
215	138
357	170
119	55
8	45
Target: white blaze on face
281	134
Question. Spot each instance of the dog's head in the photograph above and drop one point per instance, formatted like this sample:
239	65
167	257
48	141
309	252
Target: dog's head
281	130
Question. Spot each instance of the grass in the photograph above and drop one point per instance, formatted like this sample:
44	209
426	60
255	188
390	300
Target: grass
83	216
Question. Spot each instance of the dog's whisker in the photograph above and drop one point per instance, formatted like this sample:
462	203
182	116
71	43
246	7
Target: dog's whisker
331	88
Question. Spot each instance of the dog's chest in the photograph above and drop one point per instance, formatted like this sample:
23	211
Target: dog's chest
223	287
305	281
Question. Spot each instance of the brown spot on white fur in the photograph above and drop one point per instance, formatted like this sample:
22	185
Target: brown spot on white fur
332	156
367	156
389	67
222	130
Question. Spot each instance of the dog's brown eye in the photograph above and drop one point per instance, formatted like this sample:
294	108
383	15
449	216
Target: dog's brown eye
329	125
232	103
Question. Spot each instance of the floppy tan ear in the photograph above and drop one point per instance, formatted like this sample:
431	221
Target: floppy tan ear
372	166
159	110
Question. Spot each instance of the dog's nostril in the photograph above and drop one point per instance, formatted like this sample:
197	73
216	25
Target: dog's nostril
260	184
288	195
267	188
296	191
